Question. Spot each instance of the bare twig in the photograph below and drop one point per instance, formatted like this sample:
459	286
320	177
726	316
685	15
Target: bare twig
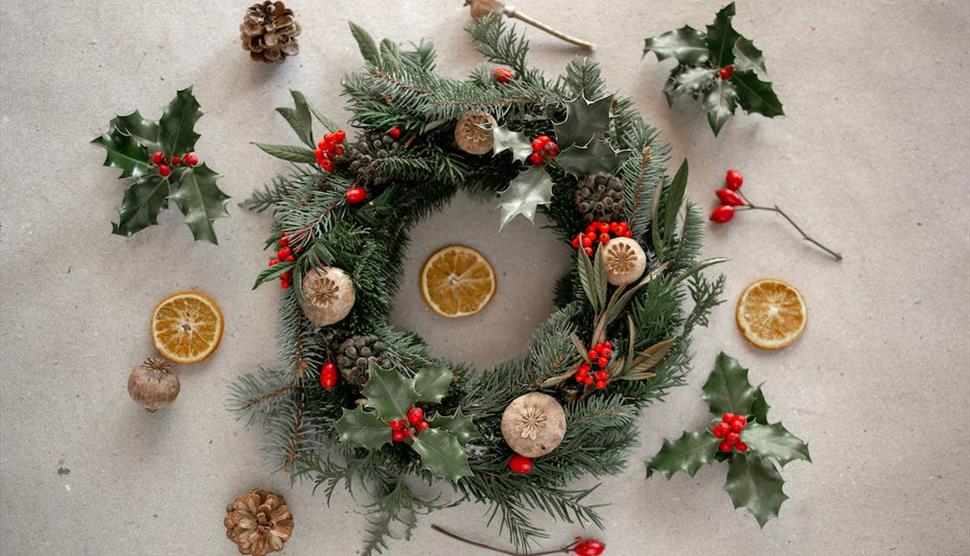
482	7
751	206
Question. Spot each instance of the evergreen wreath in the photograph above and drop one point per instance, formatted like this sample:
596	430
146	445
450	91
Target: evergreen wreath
342	215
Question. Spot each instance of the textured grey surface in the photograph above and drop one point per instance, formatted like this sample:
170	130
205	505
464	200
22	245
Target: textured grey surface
873	156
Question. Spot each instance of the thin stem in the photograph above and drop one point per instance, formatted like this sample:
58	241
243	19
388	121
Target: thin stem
751	206
512	12
457	537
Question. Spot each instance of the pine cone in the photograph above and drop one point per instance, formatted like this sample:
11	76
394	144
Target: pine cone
363	157
356	353
259	522
601	198
269	32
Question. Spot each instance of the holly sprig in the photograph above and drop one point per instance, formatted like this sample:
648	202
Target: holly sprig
721	66
158	158
391	400
755	449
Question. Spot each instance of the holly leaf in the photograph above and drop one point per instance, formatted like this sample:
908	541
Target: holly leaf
143	202
759	407
144	132
458	424
693	80
442	454
755	484
288	152
503	139
756	95
688	454
584	120
299	118
124	152
727	390
525	193
598	156
721	37
431	384
774	441
747	56
175	134
390	393
201	201
721	101
686	45
362	428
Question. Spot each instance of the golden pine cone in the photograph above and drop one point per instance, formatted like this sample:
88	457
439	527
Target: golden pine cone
258	522
269	31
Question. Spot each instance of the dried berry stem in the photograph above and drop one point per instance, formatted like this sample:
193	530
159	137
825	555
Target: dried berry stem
751	206
512	12
443	531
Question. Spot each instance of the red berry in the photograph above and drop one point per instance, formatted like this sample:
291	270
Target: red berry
729	197
602	362
742	447
593	227
290	259
589	251
520	464
733	437
537	145
584	367
575	243
600	346
284	253
587	242
543	140
726	72
397	424
604	238
284	284
602	375
272	262
607	353
536	159
190	159
621	228
176	160
725	446
580	377
415	415
406	432
601	385
158	157
339	135
588	380
722	214
719	431
394	132
164	170
398	435
604	227
502	75
728	417
593	354
737	425
328	376
422	426
589	548
743	419
551	149
628	233
356	195
733	179
608	344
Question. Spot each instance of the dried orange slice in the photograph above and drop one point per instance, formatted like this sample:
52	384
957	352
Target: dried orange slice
187	327
457	281
771	314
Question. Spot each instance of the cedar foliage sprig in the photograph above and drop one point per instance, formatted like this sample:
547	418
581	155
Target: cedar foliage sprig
399	88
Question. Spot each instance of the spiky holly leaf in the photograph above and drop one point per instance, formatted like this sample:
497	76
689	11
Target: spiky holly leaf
721	37
143	201
128	143
431	384
755	484
691	80
759	407
504	139
688	453
362	428
390	393
200	200
525	193
747	56
585	120
775	441
175	134
720	102
727	390
459	424
442	454
686	45
598	156
756	95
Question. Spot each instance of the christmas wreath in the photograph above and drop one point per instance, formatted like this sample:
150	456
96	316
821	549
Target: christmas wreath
357	402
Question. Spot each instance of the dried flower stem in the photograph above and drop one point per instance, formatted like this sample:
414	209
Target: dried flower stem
563	550
751	206
496	6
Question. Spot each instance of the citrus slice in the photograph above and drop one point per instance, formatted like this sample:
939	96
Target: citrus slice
457	281
187	327
771	314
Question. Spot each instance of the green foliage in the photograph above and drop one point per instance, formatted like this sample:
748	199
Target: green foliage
699	57
755	484
129	142
688	453
727	390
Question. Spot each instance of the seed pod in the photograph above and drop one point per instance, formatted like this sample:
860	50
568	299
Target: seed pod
625	261
473	133
328	295
152	385
533	424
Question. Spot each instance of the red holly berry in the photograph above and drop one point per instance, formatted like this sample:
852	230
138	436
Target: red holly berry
604	238
176	160
587	242
284	253
397	424
520	464
415	415
737	425
550	149
575	243
158	157
725	446
729	197
726	72
588	380
190	159
742	418
328	375
733	179
422	426
356	195
728	417
602	362
720	430
398	435
273	262
601	385
394	132
536	159
589	547
339	135
502	75
722	214
733	437
164	170
741	447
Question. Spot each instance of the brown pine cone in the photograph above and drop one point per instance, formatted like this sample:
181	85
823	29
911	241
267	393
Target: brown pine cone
364	156
259	522
355	355
601	198
269	32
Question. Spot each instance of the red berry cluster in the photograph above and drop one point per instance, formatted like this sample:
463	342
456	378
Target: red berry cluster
328	375
600	232
726	72
730	429
599	357
588	547
544	149
520	464
413	426
284	255
329	148
729	197
164	170
502	74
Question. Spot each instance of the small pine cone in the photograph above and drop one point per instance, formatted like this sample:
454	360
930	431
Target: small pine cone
355	355
364	155
269	31
601	198
259	522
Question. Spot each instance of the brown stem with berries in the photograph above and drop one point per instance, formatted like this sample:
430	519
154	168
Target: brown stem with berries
751	206
443	531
